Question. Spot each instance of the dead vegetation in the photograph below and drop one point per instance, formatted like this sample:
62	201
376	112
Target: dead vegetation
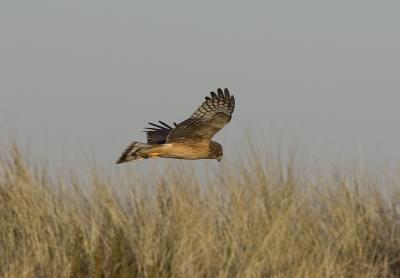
257	220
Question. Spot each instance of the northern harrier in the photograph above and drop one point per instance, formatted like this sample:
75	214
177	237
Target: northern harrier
191	139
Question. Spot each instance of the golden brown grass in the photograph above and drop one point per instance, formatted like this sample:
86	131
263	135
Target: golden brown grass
256	219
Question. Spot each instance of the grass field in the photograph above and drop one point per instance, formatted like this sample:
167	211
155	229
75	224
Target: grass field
255	219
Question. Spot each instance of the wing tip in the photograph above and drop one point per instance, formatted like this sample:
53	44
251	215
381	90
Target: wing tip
227	94
165	124
220	94
224	95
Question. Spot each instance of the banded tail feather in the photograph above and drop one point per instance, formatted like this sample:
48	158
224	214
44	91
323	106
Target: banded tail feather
133	152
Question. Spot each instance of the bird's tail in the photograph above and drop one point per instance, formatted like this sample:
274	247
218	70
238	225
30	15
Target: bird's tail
135	151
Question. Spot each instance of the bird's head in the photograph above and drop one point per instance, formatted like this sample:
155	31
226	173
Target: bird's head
217	151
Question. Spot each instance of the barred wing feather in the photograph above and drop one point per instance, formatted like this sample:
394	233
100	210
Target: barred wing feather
214	113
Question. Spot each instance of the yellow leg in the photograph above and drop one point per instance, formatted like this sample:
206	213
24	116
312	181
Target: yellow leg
157	151
154	155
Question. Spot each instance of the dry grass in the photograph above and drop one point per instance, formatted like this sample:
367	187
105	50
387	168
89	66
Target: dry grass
251	220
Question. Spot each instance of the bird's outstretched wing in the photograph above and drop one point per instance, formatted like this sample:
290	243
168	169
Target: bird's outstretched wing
158	133
215	112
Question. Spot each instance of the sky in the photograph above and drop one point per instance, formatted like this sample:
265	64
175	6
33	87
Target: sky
82	78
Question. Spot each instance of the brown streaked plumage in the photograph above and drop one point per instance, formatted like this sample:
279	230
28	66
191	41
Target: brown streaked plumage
190	139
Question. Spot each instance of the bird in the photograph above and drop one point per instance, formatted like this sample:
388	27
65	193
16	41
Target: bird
190	139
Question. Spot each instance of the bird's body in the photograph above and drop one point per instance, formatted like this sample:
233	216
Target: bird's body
190	139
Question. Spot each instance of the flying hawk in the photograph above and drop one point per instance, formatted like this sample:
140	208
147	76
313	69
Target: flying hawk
191	139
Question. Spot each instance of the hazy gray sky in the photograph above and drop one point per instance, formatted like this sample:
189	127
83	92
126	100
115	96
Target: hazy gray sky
87	75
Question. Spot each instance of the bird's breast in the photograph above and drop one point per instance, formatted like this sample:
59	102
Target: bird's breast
189	150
